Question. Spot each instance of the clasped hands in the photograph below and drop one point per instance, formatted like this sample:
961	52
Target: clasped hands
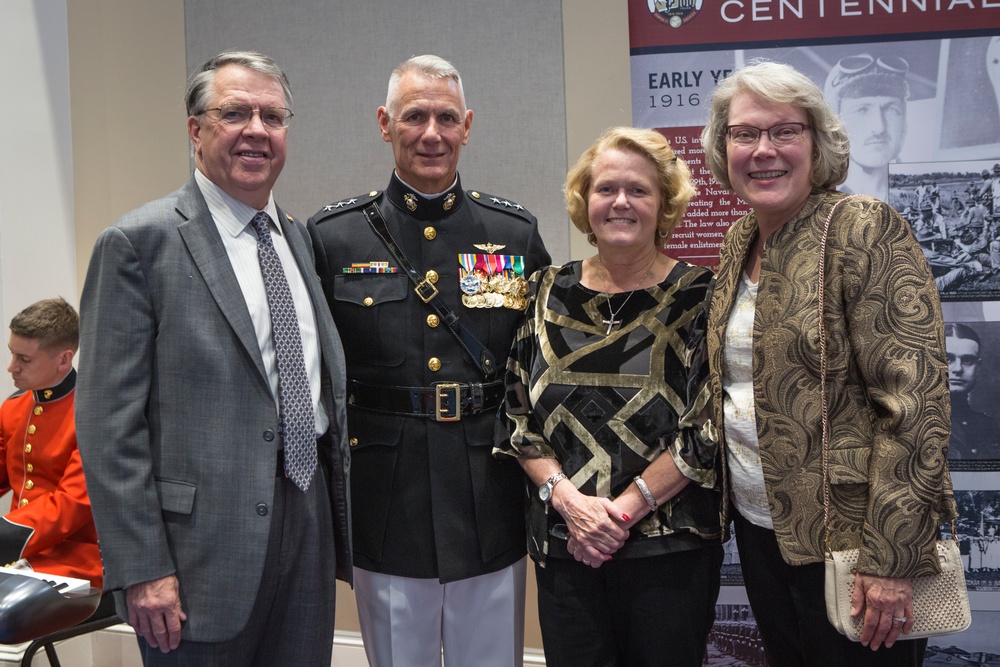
597	526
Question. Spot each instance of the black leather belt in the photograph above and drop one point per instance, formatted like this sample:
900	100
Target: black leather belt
443	402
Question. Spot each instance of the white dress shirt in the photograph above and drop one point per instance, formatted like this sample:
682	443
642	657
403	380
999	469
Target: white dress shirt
232	218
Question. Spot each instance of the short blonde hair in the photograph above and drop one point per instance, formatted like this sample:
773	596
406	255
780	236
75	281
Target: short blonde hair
672	176
781	84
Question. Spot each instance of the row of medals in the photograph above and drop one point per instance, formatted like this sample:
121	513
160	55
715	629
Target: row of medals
500	290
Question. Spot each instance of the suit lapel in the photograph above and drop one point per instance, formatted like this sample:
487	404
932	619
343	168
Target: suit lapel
209	254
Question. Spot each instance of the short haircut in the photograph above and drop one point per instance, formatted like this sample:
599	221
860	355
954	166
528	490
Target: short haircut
200	89
52	322
779	83
958	330
672	176
430	66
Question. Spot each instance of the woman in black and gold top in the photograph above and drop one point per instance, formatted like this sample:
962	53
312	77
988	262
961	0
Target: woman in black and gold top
606	389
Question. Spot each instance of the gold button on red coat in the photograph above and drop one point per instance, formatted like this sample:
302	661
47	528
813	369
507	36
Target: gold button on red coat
31	430
24	501
29	485
38	410
27	448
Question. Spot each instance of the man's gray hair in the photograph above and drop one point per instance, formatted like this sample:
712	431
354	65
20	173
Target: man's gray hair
433	67
198	94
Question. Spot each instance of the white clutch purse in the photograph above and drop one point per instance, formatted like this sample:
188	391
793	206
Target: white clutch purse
940	602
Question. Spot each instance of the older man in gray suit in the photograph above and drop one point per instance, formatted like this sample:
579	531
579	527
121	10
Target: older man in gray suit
210	409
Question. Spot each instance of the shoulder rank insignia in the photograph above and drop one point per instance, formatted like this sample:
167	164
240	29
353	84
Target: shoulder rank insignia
344	205
340	204
500	204
506	204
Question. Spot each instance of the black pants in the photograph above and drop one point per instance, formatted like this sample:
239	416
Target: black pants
631	612
790	608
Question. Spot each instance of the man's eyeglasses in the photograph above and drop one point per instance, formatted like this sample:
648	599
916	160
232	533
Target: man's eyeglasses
966	359
273	118
782	134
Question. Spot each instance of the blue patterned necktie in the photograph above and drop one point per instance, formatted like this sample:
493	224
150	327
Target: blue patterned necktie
295	406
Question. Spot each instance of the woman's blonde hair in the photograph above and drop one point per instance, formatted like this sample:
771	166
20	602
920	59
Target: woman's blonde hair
672	176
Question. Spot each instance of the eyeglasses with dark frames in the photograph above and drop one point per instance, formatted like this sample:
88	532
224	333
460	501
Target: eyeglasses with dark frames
782	134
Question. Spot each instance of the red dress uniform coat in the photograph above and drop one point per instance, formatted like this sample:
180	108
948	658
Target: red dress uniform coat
49	523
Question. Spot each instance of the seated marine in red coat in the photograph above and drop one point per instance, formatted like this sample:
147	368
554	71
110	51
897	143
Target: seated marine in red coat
49	527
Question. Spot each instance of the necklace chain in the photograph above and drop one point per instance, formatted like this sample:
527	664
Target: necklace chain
611	321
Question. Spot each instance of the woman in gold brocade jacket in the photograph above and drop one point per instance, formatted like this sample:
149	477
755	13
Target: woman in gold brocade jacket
773	140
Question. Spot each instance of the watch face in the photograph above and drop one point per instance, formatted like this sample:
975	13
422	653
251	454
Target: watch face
545	492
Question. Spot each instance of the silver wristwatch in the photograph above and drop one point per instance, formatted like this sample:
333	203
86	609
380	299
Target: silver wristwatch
545	490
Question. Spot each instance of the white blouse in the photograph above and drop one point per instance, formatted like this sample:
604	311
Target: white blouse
748	493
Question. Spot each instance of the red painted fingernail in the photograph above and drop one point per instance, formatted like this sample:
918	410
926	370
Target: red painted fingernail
625	516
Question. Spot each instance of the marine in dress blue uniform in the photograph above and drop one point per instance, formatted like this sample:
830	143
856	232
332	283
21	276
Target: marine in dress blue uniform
439	540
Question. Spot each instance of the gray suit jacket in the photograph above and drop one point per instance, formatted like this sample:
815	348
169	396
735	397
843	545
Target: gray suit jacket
176	422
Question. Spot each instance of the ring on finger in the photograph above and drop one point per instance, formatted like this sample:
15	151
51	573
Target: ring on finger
899	619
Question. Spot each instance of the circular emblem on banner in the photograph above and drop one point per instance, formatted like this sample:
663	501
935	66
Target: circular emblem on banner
674	13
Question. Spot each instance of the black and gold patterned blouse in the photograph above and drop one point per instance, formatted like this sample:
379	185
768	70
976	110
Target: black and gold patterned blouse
606	405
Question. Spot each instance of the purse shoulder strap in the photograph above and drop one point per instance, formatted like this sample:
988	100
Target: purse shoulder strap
824	415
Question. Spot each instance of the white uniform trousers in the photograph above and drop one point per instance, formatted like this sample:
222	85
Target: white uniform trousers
406	622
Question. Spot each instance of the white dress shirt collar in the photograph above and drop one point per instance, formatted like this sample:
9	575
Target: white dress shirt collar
230	213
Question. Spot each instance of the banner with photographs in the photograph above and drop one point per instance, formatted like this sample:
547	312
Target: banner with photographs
917	83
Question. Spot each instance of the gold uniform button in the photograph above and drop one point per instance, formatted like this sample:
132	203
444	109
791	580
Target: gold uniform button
29	485
31	430
30	467
433	320
38	410
432	276
354	442
475	195
430	233
368	301
434	364
24	501
27	448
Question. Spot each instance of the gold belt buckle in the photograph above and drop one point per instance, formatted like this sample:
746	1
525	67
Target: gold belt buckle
447	402
426	290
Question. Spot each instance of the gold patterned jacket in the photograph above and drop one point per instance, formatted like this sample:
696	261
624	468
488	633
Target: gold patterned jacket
887	388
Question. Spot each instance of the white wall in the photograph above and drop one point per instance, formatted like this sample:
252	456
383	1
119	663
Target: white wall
37	236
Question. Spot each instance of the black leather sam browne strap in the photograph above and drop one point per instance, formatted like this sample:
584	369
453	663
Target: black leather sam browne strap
427	292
